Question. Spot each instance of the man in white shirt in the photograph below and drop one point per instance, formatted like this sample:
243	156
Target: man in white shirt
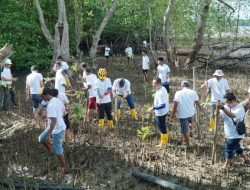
161	108
107	52
163	72
60	82
103	89
145	65
56	126
122	90
217	87
185	100
129	53
232	113
89	86
64	65
7	80
34	84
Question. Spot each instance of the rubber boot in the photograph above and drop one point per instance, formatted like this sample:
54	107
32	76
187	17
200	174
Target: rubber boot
164	140
211	124
101	123
133	114
110	124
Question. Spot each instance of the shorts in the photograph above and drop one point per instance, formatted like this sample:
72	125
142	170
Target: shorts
91	103
57	140
145	71
106	56
185	124
36	99
231	146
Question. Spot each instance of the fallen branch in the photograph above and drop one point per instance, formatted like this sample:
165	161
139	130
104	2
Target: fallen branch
158	181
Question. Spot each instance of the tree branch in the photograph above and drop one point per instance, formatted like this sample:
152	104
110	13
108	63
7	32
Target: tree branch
43	25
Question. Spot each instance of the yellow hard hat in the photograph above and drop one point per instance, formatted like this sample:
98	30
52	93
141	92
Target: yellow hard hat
102	73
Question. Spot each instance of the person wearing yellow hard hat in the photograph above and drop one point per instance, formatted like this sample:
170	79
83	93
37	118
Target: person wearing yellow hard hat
103	89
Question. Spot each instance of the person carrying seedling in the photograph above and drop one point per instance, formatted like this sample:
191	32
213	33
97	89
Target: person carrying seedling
161	108
103	89
184	100
232	113
217	87
121	90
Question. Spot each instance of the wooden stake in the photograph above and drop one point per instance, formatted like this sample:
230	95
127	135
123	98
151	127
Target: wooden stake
215	135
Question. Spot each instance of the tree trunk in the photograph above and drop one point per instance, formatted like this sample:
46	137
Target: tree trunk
150	26
98	33
166	22
200	35
60	43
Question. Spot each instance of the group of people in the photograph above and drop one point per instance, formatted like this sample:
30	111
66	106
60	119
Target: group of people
54	104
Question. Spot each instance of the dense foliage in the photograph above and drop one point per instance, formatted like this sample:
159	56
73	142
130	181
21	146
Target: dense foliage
20	26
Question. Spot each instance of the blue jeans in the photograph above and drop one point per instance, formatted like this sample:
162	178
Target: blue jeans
231	146
161	123
7	90
37	99
57	140
130	101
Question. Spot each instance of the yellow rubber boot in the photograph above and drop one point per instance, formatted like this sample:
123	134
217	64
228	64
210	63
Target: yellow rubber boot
101	123
133	114
68	83
110	124
164	140
211	124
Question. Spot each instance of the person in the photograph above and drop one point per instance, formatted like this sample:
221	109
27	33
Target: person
64	65
129	53
217	87
7	80
103	89
184	100
91	98
64	99
232	112
107	52
34	84
55	126
161	108
121	88
83	76
60	82
145	65
163	72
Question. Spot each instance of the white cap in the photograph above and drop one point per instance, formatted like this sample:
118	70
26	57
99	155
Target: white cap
8	61
218	73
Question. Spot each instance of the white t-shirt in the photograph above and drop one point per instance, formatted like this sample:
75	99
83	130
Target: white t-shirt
107	50
163	72
34	80
62	96
90	80
186	99
84	75
60	81
161	97
55	109
129	51
7	74
218	89
121	91
103	86
229	127
145	62
248	90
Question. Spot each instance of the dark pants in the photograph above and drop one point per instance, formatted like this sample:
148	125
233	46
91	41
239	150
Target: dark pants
166	85
161	123
129	100
6	90
231	146
66	120
105	108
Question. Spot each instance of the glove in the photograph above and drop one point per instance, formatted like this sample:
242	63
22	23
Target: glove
106	93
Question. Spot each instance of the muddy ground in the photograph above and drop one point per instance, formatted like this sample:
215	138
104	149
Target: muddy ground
105	158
